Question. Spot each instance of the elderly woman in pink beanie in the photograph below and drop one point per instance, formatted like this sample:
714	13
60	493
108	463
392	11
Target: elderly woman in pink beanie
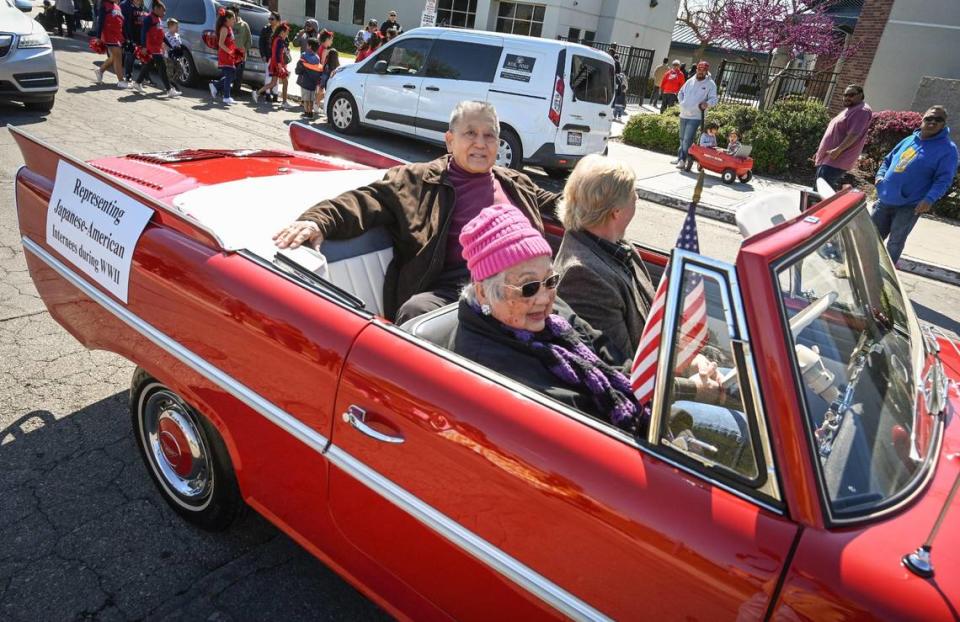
511	321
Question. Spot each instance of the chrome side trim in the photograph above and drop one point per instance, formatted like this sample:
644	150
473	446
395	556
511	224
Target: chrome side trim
524	576
275	415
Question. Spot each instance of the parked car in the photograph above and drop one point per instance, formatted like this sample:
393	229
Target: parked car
444	490
553	97
197	22
28	68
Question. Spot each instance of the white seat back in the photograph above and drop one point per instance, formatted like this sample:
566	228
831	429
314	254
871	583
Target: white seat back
766	211
359	265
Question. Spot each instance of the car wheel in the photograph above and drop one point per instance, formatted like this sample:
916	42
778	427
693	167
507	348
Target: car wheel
44	106
185	455
746	177
510	151
342	113
185	71
556	173
728	175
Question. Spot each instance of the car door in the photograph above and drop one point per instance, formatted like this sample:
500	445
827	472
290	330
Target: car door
459	68
390	98
493	501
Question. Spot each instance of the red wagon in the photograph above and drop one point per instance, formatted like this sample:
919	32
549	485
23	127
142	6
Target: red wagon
729	166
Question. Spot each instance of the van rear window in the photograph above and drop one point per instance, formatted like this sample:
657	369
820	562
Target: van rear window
591	80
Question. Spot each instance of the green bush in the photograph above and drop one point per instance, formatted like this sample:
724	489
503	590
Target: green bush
802	122
770	147
653	131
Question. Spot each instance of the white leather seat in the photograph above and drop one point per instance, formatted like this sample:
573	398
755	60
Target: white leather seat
766	211
359	265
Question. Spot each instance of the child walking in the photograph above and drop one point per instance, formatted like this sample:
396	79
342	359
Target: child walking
278	65
152	39
109	30
226	57
620	96
309	73
330	59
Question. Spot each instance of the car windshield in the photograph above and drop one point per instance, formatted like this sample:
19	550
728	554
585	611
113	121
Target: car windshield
859	352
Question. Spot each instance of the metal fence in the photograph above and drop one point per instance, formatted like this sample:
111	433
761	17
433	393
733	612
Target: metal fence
635	62
760	85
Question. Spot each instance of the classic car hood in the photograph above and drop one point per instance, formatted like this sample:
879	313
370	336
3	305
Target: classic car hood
12	20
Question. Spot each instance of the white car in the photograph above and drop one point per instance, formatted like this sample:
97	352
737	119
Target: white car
28	69
553	97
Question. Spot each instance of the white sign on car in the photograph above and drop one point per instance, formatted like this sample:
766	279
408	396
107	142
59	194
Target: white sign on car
95	227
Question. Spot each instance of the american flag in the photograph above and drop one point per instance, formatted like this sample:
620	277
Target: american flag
692	335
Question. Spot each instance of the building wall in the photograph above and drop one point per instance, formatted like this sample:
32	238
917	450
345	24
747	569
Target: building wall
627	22
866	35
922	37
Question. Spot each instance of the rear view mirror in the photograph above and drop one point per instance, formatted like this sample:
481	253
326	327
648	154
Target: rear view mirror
380	67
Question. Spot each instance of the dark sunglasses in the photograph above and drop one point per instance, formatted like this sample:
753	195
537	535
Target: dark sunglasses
933	119
529	290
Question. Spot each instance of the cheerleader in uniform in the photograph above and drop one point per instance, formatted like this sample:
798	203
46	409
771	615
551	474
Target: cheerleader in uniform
226	57
278	64
109	30
152	40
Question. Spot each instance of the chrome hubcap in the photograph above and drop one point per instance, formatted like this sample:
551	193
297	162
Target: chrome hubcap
177	449
342	113
504	154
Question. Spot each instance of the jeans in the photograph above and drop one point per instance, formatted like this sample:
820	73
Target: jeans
128	59
688	129
894	223
669	99
159	66
655	96
226	81
239	79
830	174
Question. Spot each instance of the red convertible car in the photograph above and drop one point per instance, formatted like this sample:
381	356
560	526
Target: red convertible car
444	490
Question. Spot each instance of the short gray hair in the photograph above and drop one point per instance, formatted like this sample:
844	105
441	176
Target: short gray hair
596	186
469	108
491	287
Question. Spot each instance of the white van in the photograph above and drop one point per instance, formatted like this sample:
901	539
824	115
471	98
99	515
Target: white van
553	97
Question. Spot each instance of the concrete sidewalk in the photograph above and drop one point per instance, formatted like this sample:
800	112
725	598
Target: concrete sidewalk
931	247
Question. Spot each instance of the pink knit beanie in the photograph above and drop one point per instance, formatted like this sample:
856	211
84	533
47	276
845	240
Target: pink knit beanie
500	237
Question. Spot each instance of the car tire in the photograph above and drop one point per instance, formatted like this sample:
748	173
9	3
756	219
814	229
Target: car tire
510	151
186	70
556	173
184	455
43	106
728	176
746	177
342	113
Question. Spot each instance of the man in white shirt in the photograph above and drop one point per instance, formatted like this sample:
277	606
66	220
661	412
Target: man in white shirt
695	97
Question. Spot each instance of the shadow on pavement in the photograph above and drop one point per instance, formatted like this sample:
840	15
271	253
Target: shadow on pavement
938	319
85	535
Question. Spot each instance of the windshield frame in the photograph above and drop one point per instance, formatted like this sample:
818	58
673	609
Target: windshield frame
923	474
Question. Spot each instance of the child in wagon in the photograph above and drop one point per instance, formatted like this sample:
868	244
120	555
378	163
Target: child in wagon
733	142
709	136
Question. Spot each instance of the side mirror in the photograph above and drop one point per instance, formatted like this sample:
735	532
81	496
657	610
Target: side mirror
380	67
24	5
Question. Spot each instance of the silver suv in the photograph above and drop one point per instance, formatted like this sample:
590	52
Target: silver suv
197	20
28	70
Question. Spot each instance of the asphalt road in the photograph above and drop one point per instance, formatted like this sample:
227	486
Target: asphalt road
83	534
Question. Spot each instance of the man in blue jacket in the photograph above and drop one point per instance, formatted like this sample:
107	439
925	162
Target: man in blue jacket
912	178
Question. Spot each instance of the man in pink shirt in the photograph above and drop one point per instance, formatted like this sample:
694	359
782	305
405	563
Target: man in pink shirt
843	141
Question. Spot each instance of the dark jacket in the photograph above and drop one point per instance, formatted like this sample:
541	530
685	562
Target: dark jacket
918	169
309	71
600	289
133	17
478	338
415	202
263	42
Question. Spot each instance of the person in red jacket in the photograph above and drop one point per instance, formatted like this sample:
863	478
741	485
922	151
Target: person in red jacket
670	86
151	38
109	29
278	65
226	56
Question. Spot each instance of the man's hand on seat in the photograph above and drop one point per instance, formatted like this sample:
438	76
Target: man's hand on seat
300	232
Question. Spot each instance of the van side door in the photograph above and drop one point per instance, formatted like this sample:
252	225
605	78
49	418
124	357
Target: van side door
390	95
586	115
458	69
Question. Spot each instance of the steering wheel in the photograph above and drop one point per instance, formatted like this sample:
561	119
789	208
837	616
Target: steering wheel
798	322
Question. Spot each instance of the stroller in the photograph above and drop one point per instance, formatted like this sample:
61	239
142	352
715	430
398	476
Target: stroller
731	167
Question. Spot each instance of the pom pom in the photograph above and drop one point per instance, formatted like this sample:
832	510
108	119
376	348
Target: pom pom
98	46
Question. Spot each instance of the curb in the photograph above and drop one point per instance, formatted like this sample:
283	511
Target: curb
935	272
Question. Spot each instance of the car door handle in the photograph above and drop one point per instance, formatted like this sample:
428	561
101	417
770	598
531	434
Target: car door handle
409	86
356	417
603	114
433	88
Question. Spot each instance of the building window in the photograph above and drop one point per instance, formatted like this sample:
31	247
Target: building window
359	8
573	34
520	18
333	11
310	10
456	13
589	35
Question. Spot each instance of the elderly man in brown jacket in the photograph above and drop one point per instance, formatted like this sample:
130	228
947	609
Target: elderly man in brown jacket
424	206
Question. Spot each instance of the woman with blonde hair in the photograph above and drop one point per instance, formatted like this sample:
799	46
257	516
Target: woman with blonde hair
605	282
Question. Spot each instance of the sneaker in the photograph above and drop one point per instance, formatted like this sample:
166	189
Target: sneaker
229	101
681	164
122	84
255	97
286	105
98	76
675	161
173	92
139	88
213	90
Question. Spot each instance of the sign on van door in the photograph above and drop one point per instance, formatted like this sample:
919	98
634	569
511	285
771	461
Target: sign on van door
517	67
